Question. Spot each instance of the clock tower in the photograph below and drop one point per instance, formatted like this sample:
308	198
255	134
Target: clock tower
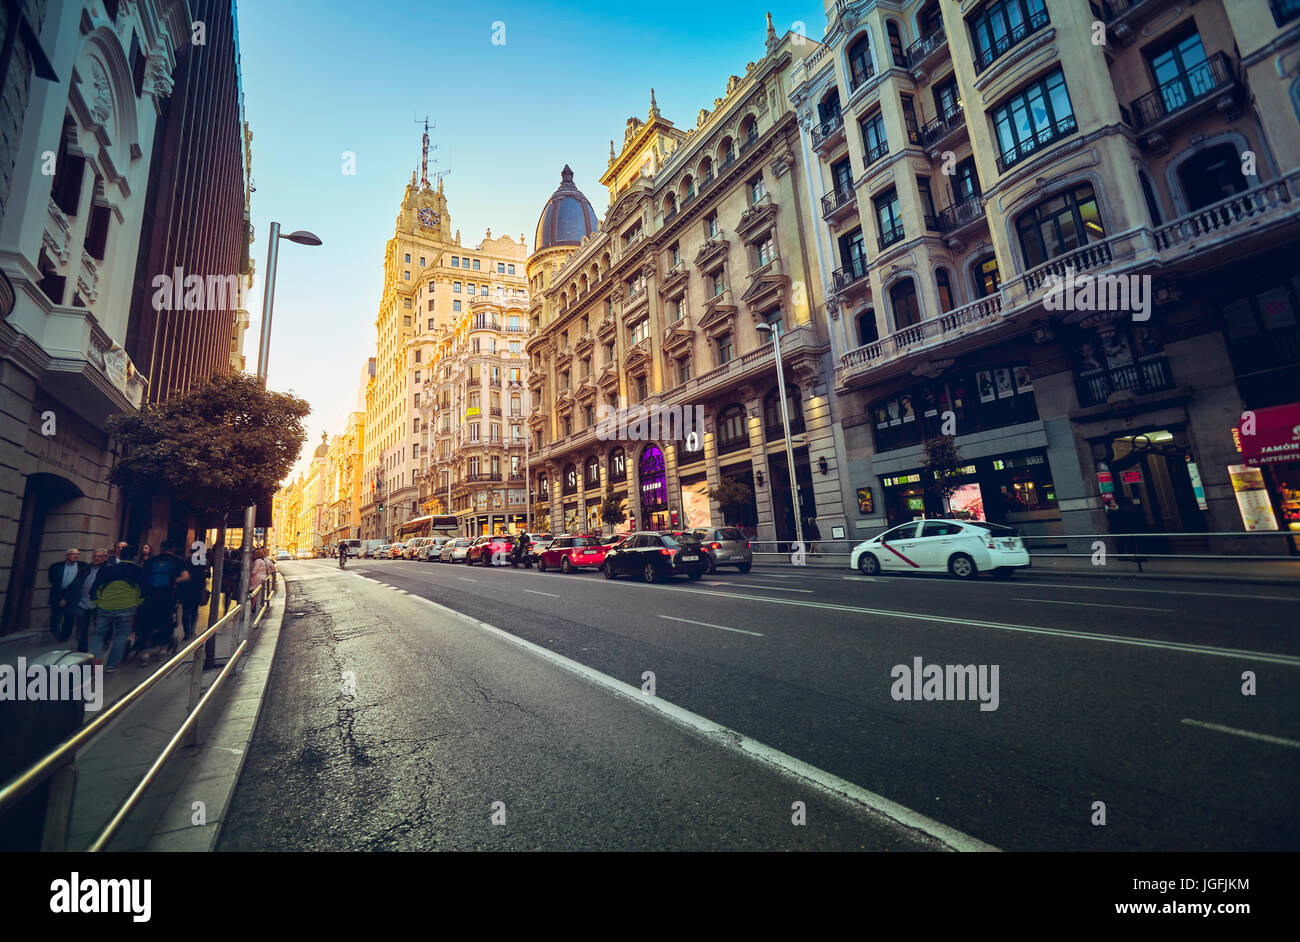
424	212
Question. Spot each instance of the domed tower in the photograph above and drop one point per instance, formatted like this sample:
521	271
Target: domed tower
566	219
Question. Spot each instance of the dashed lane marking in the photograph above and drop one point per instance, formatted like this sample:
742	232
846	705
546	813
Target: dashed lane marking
1245	733
691	621
1135	608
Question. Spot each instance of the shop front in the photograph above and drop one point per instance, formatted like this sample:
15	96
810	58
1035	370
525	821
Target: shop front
1015	489
1267	482
654	490
1154	477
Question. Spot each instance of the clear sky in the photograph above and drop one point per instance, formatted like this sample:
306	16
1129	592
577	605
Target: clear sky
322	77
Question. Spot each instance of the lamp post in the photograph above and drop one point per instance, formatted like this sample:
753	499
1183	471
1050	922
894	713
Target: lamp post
785	421
302	237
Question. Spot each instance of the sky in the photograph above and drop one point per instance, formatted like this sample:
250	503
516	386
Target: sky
325	77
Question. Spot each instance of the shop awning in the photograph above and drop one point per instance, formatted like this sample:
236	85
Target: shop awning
1276	437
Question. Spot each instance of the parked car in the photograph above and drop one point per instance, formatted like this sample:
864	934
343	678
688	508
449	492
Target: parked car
282	555
455	551
963	548
656	556
384	551
413	547
486	547
725	546
430	549
303	554
570	553
395	550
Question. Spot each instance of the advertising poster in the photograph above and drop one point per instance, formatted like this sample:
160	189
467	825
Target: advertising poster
967	503
866	505
1023	382
985	381
1252	497
695	504
1003	375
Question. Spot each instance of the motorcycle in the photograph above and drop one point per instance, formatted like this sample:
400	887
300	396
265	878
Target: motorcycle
520	555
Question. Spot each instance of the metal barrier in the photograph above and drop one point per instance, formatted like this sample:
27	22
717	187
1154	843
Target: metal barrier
60	763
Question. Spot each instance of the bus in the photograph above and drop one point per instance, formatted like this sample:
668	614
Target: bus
429	525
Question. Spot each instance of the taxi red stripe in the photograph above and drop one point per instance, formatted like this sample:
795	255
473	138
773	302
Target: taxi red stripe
901	556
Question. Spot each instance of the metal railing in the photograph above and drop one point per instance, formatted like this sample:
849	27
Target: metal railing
60	763
1004	43
1185	89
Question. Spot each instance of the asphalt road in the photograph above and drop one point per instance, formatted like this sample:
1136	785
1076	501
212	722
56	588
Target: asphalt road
1127	693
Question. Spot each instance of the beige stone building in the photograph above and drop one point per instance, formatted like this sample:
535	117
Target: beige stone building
472	404
653	313
430	277
972	160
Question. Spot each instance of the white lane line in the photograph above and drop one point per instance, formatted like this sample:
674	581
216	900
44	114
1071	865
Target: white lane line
862	579
1262	737
535	592
1134	608
833	786
463	579
691	621
767	588
1025	584
1289	660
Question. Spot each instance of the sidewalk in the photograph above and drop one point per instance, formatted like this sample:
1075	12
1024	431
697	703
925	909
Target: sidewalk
1243	569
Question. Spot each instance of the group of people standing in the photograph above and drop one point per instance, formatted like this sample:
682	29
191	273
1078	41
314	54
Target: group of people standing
132	593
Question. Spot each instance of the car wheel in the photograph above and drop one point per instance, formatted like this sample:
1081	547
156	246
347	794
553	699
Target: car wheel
566	566
607	569
541	564
962	566
694	576
649	573
1003	573
745	567
868	565
710	566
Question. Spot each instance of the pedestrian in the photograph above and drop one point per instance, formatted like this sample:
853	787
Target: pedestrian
156	619
116	597
192	593
812	533
65	590
86	607
230	578
260	570
116	556
146	554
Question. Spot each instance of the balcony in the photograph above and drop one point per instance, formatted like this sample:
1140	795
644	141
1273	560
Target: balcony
482	476
1044	138
889	237
925	52
936	133
749	141
1211	85
938	329
829	133
1228	217
958	216
1142	378
838	201
857	81
876	153
854	271
1008	41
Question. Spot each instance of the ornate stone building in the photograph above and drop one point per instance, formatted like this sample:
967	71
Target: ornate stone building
971	160
655	315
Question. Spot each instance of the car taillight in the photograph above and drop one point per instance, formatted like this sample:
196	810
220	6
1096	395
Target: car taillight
990	544
668	552
715	546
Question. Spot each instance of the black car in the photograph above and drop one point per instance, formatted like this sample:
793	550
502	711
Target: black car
655	556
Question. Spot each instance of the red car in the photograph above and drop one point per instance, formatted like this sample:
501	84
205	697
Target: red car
484	550
570	553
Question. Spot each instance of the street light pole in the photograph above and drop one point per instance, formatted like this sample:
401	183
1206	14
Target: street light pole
785	421
302	237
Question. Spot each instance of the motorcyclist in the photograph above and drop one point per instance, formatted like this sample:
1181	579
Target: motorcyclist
343	553
521	550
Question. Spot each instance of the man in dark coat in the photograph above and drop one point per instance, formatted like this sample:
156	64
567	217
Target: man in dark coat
65	591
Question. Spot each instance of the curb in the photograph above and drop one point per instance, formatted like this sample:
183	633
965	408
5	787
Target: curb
223	751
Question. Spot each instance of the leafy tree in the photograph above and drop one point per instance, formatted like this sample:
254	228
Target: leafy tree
734	499
941	462
612	511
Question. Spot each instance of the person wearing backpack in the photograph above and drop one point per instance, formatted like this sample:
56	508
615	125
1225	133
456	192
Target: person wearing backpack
157	614
116	596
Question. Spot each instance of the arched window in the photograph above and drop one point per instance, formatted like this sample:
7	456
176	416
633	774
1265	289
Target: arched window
902	298
1060	224
985	274
688	188
773	426
1211	175
543	487
748	130
942	282
591	473
670	204
706	168
727	151
570	482
1149	194
930	19
732	433
868	332
860	68
617	465
896	46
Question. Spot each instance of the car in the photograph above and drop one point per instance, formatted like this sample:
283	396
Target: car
282	555
303	554
962	548
384	551
571	553
395	551
430	549
455	551
656	556
484	549
413	547
725	546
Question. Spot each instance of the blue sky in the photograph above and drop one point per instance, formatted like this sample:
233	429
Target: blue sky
326	76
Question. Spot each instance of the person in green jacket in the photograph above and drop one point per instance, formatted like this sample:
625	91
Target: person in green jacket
116	597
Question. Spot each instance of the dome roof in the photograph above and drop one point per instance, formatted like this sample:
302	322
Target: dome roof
567	218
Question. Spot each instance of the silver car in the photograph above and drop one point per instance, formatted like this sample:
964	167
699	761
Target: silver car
453	551
431	549
725	546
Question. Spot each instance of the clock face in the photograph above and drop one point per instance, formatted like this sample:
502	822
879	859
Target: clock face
428	217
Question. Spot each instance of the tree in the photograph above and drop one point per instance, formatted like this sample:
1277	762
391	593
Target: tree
220	447
734	499
612	511
941	463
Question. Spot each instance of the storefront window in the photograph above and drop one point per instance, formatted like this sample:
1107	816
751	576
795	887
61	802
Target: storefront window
979	400
1012	488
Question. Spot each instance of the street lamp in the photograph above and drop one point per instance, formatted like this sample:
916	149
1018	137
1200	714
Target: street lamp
302	237
775	330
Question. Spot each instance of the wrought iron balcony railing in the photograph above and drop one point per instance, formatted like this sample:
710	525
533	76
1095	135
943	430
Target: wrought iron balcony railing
1010	39
1183	90
1049	135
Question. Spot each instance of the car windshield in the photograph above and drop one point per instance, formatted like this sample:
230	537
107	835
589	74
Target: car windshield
464	542
668	541
586	541
995	529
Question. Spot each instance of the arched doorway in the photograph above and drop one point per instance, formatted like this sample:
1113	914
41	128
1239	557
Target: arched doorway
1211	175
44	494
653	476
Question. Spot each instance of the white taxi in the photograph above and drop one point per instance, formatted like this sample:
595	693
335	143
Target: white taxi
964	548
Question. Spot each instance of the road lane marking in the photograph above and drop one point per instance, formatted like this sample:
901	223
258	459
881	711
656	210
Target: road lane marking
1024	584
535	592
877	806
767	588
1288	660
1133	608
692	621
1262	737
463	579
862	578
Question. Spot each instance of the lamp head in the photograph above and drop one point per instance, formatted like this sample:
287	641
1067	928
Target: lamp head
303	237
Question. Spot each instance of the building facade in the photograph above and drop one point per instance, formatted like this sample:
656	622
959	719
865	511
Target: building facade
1063	236
653	384
473	418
